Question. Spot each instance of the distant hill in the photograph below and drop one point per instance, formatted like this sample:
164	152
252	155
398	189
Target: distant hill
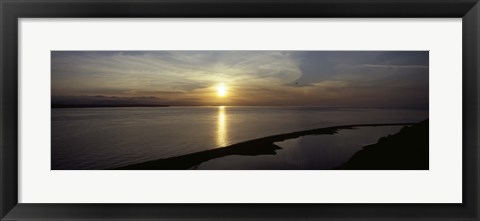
105	101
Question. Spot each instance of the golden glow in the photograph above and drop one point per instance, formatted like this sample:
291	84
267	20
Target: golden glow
221	90
222	127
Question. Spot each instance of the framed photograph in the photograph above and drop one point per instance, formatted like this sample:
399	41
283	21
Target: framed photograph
261	110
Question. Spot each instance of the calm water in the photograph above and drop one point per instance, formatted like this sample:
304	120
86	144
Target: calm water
100	138
308	152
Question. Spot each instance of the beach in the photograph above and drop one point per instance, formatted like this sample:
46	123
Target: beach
261	146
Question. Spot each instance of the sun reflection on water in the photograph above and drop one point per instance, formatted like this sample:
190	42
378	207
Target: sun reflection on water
221	127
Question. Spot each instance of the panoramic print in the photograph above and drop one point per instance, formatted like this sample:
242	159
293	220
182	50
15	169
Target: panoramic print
239	110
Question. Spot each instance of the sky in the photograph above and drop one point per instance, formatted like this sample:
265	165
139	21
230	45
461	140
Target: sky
260	78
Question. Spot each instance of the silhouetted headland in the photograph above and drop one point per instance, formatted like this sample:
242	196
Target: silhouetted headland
104	105
260	146
405	150
105	101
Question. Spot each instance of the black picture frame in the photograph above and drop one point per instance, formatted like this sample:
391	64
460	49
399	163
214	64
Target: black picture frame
12	10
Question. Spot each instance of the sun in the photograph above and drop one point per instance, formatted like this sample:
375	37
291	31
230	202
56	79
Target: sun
221	90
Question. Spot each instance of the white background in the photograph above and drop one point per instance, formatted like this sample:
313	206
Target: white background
441	184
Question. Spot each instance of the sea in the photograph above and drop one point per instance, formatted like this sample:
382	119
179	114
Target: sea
105	138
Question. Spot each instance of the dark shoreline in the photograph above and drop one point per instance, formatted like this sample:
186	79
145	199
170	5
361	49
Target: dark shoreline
406	150
260	146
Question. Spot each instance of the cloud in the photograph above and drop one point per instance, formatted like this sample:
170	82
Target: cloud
252	77
177	70
392	66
